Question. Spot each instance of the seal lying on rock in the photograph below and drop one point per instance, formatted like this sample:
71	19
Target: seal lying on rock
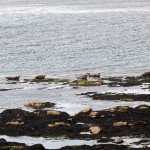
40	77
82	76
16	78
39	105
96	75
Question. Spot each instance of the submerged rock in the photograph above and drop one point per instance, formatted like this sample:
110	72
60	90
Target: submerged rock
85	83
55	80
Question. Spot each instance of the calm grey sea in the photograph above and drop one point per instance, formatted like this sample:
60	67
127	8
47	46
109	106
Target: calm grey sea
71	36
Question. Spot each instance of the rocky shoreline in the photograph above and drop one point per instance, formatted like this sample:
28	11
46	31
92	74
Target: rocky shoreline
100	125
87	124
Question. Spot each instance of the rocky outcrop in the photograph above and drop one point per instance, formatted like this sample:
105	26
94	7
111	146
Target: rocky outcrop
85	83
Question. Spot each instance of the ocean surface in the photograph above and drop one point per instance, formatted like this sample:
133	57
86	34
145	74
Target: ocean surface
65	37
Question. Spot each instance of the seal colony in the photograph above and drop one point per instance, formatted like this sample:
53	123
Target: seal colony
101	125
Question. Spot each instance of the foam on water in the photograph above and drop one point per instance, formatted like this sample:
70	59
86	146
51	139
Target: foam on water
68	10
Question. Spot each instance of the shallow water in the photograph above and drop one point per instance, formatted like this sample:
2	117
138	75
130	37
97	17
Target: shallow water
48	143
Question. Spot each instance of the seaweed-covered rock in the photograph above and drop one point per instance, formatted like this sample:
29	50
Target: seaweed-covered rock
85	83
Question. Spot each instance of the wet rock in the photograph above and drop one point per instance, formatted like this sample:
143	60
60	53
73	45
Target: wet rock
53	112
146	74
4	145
94	114
58	124
122	121
120	124
37	147
119	96
39	105
118	108
95	129
119	141
85	83
15	123
96	147
85	111
51	80
142	107
5	89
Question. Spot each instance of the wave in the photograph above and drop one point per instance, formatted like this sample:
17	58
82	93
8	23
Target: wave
68	10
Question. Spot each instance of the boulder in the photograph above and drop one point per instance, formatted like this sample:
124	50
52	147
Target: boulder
85	111
36	147
95	129
53	112
93	114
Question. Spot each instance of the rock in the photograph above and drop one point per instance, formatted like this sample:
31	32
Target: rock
58	124
119	141
15	78
95	129
127	99
142	107
15	123
53	112
39	105
50	80
40	77
37	147
2	141
93	114
118	108
85	83
120	124
85	111
146	74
